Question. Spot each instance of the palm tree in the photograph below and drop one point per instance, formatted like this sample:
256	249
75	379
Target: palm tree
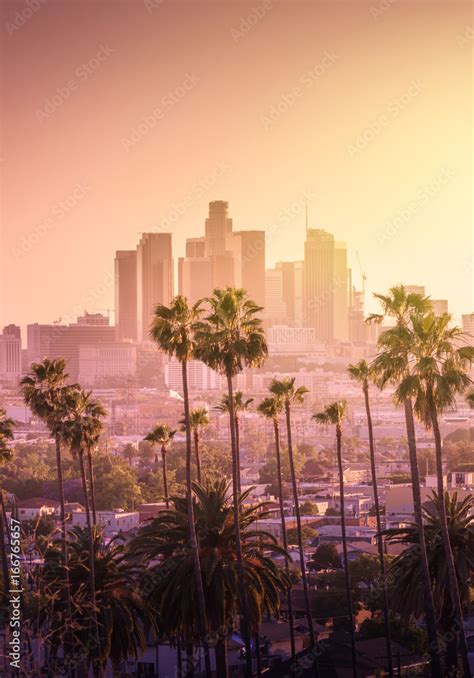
271	408
405	570
80	431
391	366
440	373
6	435
170	586
173	330
286	392
45	391
163	436
240	405
362	373
123	615
199	419
230	338
334	414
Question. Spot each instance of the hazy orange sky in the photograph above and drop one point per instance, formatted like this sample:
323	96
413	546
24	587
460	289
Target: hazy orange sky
118	115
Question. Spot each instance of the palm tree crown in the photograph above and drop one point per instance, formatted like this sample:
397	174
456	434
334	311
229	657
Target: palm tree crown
231	336
400	305
172	327
6	434
334	414
161	435
171	586
285	389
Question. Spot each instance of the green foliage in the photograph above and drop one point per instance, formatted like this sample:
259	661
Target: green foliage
325	557
116	484
308	534
408	635
171	587
309	508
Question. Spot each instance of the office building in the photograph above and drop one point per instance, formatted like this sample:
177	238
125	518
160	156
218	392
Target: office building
468	323
248	252
125	269
10	354
319	260
341	292
154	278
105	361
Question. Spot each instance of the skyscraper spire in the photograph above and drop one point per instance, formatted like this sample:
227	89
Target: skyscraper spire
306	206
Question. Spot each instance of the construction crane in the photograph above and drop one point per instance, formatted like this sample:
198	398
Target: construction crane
364	277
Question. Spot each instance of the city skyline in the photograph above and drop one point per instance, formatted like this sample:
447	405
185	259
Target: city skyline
266	140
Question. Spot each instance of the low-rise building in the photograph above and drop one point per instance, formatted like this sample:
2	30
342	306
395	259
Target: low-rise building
113	522
32	509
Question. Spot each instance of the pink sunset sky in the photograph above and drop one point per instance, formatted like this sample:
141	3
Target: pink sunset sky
122	117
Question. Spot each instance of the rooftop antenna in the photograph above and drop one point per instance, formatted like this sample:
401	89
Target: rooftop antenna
306	209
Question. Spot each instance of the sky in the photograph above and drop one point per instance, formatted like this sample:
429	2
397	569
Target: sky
123	117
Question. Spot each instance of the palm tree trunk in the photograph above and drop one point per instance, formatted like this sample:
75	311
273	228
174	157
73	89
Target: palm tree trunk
284	537
179	659
192	526
196	454
244	617
69	648
165	475
91	485
84	488
386	606
189	673
91	558
237	447
298	526
344	549
221	658
436	667
448	552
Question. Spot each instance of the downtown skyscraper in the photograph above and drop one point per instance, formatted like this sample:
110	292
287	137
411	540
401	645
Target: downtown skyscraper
154	278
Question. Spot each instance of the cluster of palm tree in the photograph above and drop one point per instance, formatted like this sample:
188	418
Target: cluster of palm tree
203	564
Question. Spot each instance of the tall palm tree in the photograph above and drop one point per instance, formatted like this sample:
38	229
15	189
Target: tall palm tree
271	409
440	368
390	367
361	373
170	586
80	431
199	419
6	436
173	330
334	414
45	391
286	392
163	436
230	338
240	405
405	569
